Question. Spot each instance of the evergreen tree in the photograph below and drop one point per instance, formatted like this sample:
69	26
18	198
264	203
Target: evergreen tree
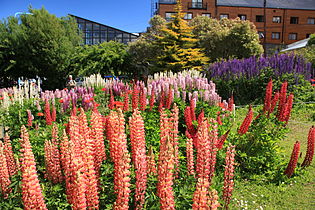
179	47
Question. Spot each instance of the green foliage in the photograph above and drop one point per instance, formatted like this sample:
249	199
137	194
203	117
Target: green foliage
308	52
40	45
107	58
226	38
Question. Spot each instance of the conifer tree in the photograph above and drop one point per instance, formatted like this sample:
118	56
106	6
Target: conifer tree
179	47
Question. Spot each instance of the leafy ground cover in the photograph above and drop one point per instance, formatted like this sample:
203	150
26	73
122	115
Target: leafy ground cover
296	193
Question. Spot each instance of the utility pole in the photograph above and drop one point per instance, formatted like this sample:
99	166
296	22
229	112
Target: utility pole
265	35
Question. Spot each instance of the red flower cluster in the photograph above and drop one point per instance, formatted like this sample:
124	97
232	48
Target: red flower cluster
137	138
126	102
293	160
111	100
47	113
228	175
222	139
310	147
247	121
268	96
142	99
31	191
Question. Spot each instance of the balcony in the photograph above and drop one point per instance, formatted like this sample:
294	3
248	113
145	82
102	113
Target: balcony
197	5
167	1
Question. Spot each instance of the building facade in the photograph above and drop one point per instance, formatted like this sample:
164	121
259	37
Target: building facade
96	33
277	22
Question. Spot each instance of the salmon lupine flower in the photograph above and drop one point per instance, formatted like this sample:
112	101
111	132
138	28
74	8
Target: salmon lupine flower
152	98
231	103
8	152
282	98
87	152
170	98
213	200
47	113
247	121
310	147
166	165
161	101
135	97
31	190
174	134
201	195
4	173
268	96
142	99
222	139
120	157
203	151
228	175
190	155
30	118
137	138
274	102
97	134
126	101
151	162
293	160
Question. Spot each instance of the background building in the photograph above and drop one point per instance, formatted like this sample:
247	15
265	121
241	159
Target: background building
278	22
95	33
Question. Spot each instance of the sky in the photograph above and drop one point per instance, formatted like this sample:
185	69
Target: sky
128	15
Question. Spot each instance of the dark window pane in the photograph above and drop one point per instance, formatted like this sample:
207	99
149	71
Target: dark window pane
88	26
259	18
96	27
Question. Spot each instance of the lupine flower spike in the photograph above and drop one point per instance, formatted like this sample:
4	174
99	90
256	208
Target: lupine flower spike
310	148
247	121
228	175
4	173
293	160
267	103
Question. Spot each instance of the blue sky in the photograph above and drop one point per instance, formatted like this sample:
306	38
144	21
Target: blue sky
127	15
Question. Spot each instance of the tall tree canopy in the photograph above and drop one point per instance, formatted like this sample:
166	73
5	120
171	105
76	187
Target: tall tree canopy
37	44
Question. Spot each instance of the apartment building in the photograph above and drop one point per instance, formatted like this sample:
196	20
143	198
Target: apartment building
278	22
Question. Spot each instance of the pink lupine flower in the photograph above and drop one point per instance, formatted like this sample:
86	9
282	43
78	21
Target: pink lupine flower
293	160
310	147
228	175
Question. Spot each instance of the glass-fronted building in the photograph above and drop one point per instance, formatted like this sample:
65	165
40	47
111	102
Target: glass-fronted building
95	33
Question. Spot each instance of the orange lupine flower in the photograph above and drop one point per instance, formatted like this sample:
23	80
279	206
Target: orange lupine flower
40	114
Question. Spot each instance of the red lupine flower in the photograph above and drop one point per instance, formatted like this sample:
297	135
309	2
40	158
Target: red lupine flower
161	101
111	100
268	96
228	175
282	98
40	114
104	89
247	121
1	98
273	103
47	113
219	118
310	148
231	103
222	139
11	163
53	113
135	97
169	99
289	107
293	160
4	173
61	101
137	139
31	190
192	109
118	104
142	100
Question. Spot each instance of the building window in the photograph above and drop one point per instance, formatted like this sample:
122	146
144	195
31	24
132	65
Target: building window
169	15
197	4
206	14
275	35
261	34
294	20
188	16
259	18
276	19
293	36
224	16
242	17
311	21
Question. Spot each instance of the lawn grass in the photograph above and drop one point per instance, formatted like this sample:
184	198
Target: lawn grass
296	193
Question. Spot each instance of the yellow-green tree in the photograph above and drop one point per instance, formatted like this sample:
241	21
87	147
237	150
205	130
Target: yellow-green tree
179	47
